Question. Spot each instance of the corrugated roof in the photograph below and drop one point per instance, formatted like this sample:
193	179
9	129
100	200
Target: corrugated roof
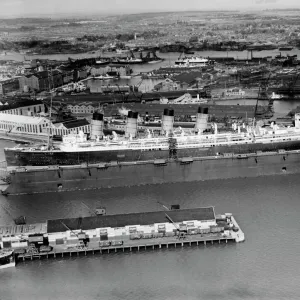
146	218
76	123
21	119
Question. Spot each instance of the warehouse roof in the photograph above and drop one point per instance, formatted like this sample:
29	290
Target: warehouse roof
146	218
76	123
18	104
21	119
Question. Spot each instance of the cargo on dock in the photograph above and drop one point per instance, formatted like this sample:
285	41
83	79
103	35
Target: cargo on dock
123	232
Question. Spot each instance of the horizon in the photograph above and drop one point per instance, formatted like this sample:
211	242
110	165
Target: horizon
58	9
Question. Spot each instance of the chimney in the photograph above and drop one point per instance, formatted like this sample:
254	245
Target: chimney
201	121
132	124
297	121
167	121
97	126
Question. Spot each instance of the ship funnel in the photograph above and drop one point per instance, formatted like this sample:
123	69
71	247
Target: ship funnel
132	124
297	121
201	121
97	126
167	121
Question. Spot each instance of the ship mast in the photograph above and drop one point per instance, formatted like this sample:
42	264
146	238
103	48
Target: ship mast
50	109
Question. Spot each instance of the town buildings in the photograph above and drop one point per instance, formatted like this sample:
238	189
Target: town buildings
23	108
9	86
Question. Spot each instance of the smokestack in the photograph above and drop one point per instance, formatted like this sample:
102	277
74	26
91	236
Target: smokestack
132	124
201	121
297	121
97	126
167	121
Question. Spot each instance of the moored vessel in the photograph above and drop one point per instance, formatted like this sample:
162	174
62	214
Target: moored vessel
159	156
7	259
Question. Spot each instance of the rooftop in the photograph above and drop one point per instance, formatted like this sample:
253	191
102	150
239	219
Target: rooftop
75	123
122	220
21	119
18	104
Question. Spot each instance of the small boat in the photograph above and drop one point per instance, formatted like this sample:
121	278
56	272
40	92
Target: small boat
155	61
102	62
101	77
7	259
286	48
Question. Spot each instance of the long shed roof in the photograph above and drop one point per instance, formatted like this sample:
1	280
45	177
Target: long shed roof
19	119
122	220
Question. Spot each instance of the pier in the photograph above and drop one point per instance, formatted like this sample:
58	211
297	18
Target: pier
134	232
137	246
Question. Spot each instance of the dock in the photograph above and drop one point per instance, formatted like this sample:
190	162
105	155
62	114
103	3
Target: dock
142	245
134	232
133	246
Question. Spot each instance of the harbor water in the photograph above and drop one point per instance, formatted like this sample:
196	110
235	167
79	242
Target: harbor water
265	266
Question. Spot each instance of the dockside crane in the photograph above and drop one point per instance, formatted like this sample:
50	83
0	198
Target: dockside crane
262	95
181	234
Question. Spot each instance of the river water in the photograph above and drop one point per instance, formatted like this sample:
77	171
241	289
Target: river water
265	266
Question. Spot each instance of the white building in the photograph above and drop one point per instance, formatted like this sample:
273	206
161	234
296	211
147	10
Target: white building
23	124
81	109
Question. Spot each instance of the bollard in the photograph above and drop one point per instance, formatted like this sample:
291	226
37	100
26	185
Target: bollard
205	243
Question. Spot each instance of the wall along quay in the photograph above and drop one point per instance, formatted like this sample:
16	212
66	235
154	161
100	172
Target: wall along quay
124	232
31	180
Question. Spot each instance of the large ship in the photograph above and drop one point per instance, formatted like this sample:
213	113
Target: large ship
157	157
193	61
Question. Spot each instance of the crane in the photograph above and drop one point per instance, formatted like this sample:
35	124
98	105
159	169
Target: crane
181	234
69	228
90	210
262	93
164	206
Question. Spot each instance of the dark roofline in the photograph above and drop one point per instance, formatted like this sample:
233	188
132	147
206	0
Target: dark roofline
20	104
122	220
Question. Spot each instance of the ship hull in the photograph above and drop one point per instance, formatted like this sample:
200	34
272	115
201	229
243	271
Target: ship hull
72	178
35	158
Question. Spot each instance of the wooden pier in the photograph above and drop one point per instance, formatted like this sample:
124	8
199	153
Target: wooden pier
133	246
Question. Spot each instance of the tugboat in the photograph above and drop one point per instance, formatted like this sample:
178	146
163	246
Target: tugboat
7	259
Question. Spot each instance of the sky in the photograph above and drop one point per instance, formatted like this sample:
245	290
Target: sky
19	8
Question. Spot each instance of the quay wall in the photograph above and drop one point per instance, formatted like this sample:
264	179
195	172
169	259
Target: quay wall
70	178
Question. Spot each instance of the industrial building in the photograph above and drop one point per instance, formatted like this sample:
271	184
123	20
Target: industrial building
38	126
23	124
9	86
23	108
